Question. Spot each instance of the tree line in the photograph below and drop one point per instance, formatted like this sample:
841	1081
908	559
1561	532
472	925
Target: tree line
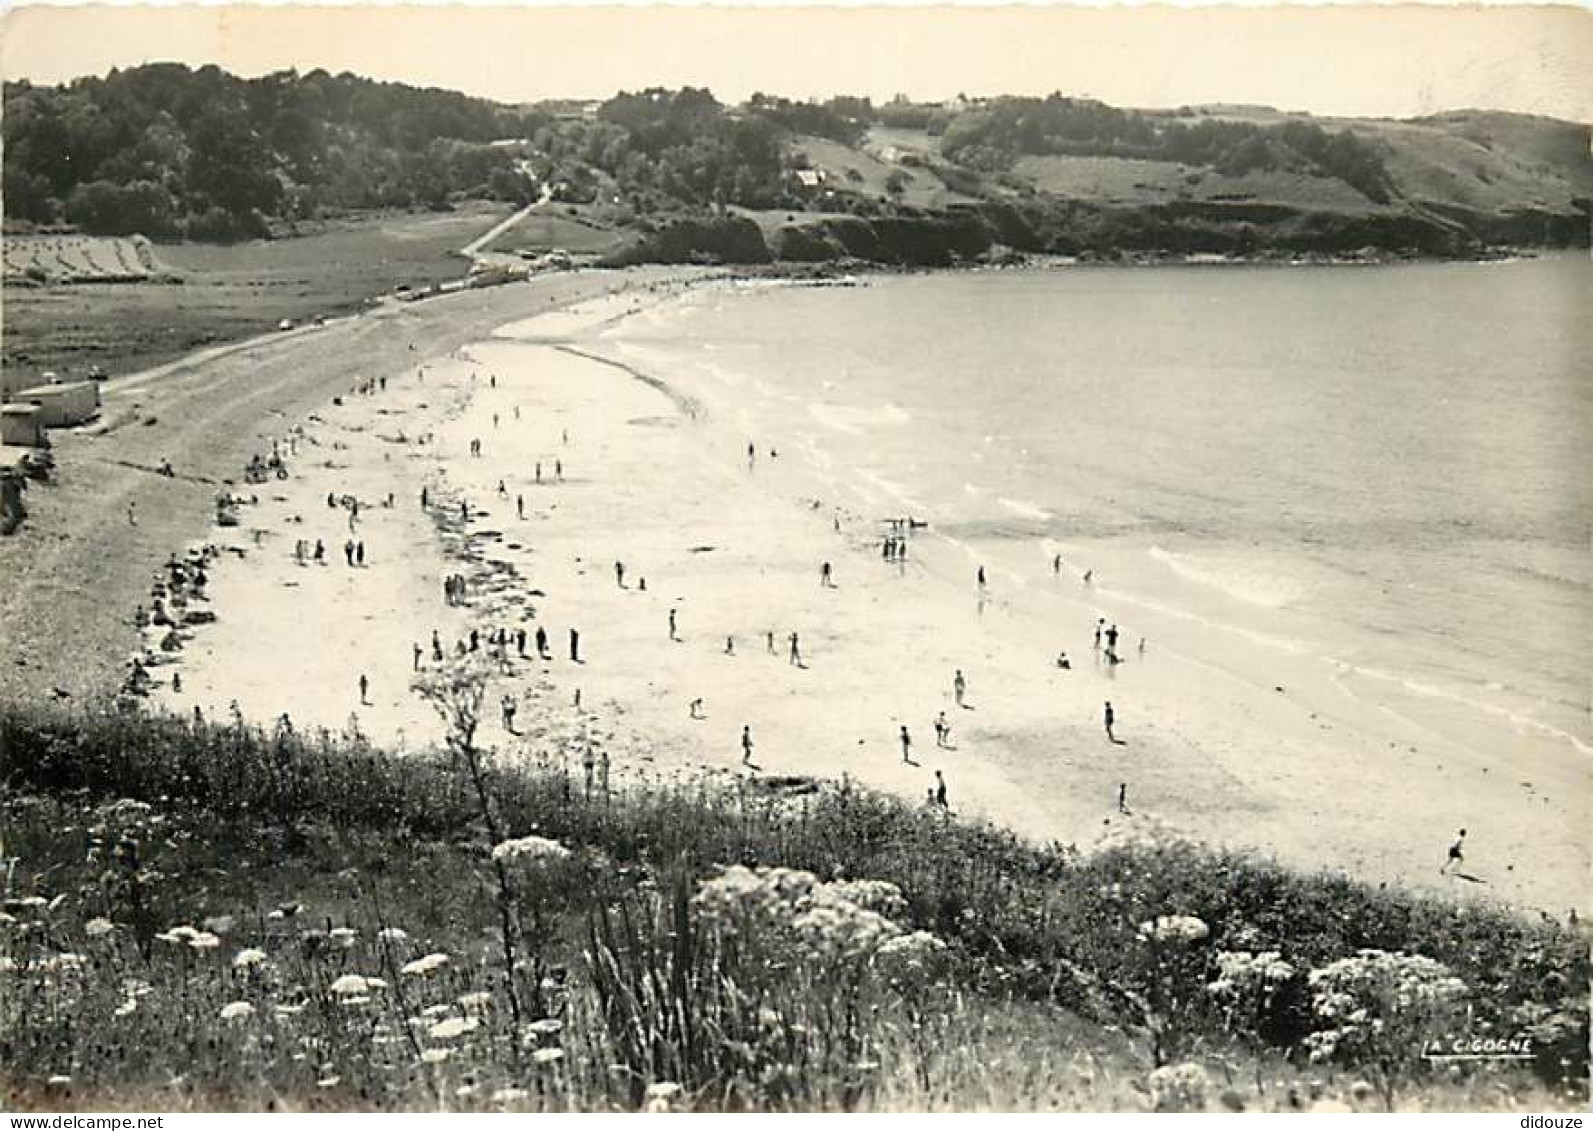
992	136
174	152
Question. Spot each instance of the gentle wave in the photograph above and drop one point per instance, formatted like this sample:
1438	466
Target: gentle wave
1250	586
857	421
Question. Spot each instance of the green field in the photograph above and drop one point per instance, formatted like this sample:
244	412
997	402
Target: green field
232	291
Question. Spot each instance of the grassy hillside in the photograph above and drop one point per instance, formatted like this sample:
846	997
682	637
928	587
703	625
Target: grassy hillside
202	914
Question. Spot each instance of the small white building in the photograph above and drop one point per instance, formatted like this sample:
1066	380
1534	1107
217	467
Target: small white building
62	405
21	425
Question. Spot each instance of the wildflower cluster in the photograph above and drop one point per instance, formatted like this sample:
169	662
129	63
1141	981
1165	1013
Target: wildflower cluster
1379	1006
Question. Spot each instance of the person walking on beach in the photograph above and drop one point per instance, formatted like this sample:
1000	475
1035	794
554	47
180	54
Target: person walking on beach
940	791
575	645
508	707
796	652
672	634
542	643
942	731
1457	854
907	745
1100	626
365	687
1109	717
1111	638
746	746
959	689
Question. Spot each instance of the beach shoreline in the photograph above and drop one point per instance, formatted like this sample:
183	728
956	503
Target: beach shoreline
655	475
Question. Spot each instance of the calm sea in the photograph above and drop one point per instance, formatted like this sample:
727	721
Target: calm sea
1380	471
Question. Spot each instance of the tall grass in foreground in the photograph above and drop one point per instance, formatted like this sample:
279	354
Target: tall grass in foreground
216	915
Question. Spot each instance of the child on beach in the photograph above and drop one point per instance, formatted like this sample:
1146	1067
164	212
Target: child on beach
942	731
1456	855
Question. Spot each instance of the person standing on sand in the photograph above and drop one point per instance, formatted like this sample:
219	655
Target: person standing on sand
494	420
1111	638
796	652
695	710
940	791
320	552
132	513
1056	565
980	579
425	497
365	686
464	510
730	645
907	745
959	689
942	731
1457	855
575	645
752	455
519	642
348	551
1108	717
746	746
1122	797
359	553
418	653
508	707
558	470
672	634
542	643
1100	626
1141	645
436	647
824	576
769	636
619	574
539	471
519	506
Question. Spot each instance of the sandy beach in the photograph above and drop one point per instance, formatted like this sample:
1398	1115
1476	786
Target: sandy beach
657	477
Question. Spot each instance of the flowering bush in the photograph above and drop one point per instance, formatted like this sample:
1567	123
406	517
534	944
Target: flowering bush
1380	1009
